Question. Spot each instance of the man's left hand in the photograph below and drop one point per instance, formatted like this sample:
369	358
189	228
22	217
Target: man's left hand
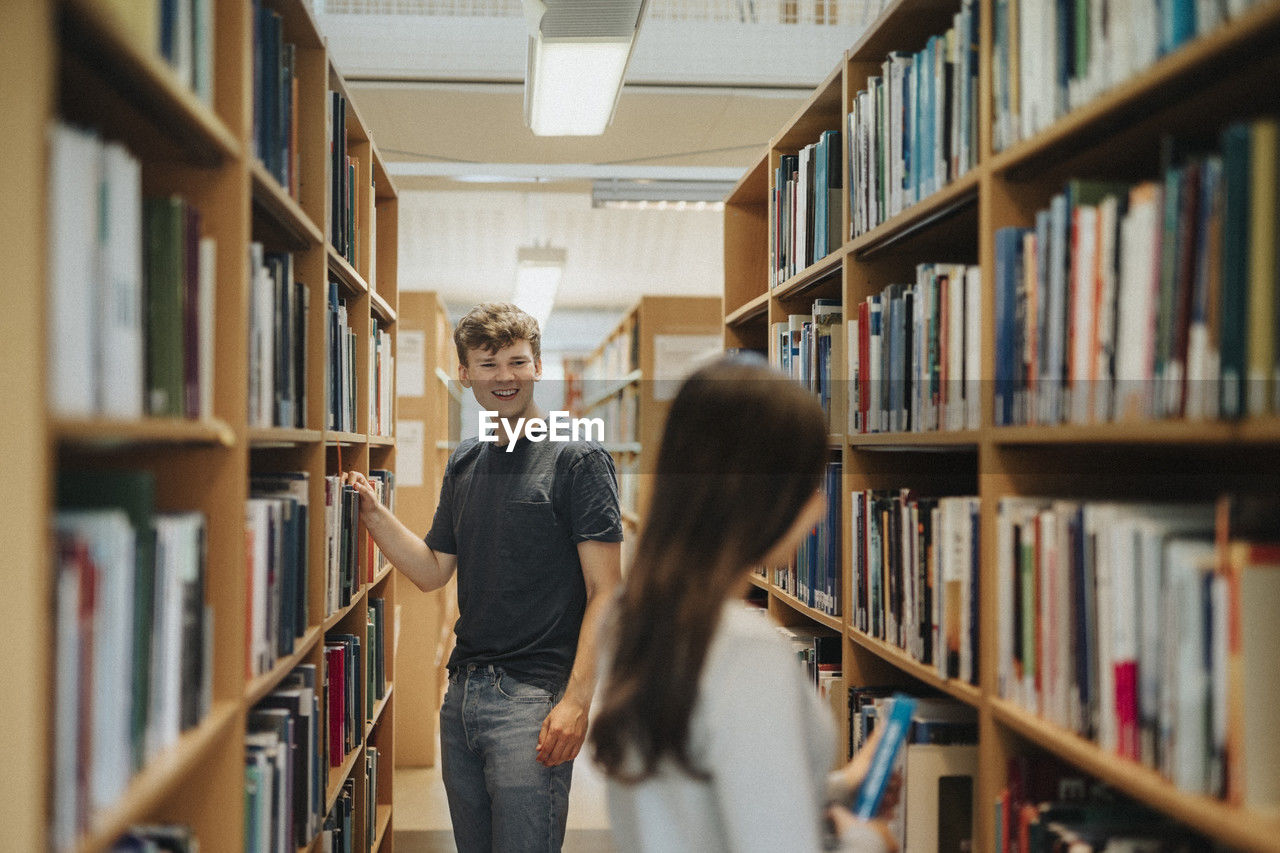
563	732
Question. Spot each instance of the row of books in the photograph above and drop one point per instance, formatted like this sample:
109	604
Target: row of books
814	578
286	773
275	99
344	226
344	681
937	764
1052	56
157	838
375	645
1146	301
915	353
131	289
276	524
807	189
133	639
1126	623
817	650
621	414
381	381
914	128
278	309
371	760
339	834
810	348
341	537
179	31
619	356
1047	806
915	576
340	366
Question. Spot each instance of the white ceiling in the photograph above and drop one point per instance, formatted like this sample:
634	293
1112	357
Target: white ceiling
439	84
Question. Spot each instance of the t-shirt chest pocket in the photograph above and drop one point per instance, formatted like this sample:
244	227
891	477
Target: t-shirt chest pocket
531	533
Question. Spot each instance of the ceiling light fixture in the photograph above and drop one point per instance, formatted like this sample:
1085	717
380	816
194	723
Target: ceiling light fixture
578	54
538	271
660	195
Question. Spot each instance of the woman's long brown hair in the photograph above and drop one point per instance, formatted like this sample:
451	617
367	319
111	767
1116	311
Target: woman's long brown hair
743	451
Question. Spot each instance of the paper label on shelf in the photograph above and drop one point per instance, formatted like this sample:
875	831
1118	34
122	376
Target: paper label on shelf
676	356
411	367
409	458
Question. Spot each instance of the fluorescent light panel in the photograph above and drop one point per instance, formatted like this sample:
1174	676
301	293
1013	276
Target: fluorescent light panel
660	195
573	85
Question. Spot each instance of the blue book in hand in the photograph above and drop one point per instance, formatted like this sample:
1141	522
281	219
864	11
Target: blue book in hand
897	724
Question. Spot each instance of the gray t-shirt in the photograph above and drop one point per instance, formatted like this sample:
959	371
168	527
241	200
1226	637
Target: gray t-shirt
514	520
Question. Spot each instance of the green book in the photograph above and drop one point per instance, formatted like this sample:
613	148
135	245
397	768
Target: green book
134	492
1236	171
166	358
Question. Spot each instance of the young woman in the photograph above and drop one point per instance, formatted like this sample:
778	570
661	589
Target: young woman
709	735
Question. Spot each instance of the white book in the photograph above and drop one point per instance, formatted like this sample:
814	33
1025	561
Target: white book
64	820
258	523
1135	320
1083	268
1098	522
120	358
973	346
1184	719
72	326
854	384
964	547
111	542
172	551
206	305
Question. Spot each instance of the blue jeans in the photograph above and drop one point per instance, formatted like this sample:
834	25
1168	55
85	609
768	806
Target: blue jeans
500	798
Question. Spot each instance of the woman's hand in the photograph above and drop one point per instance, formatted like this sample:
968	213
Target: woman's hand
846	824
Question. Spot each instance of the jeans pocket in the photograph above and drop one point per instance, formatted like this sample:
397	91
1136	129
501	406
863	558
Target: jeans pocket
522	691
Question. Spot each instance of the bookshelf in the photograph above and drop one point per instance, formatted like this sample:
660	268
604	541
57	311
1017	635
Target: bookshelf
92	65
428	426
1192	93
626	381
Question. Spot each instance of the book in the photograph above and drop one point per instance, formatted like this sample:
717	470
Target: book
896	727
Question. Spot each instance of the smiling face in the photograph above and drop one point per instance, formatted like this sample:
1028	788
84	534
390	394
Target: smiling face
502	381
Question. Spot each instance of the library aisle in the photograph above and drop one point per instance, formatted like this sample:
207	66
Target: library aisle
422	822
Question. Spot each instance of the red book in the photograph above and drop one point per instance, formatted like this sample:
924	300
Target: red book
337	702
1126	679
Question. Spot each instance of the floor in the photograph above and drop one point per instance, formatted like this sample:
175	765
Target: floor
422	812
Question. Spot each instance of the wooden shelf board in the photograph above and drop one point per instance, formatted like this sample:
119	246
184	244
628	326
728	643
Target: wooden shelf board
381	308
384	821
300	26
932	440
919	217
835	439
337	616
803	609
106	433
148	83
1144	432
824	110
342	270
613	388
631	518
382	575
347	438
810	276
155	781
266	437
382	441
377	711
1193	65
966	693
338	775
756	309
451	385
903	25
1235	826
283	209
758	581
752	189
263	684
385	184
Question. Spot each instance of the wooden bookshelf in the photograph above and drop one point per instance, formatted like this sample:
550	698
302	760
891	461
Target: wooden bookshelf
85	63
621	386
1193	92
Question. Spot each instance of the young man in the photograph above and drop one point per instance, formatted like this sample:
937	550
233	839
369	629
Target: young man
533	531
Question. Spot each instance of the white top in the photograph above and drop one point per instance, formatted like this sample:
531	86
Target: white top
761	732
